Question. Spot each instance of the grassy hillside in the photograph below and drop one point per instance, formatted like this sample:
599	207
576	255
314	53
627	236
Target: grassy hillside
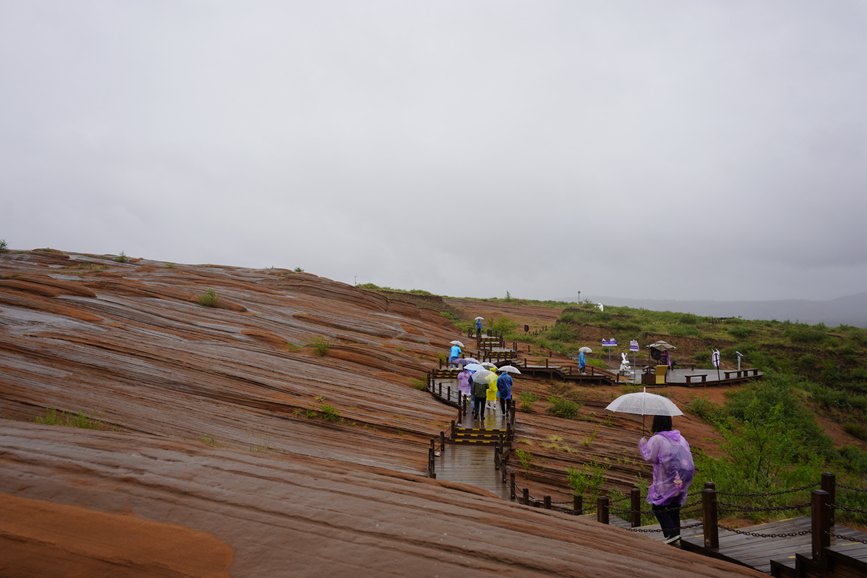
771	429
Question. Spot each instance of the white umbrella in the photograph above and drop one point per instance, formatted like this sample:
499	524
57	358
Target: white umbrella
473	367
644	403
488	365
510	369
479	318
483	376
469	360
458	343
661	345
586	349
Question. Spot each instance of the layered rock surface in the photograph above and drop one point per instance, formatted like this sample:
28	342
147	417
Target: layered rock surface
214	456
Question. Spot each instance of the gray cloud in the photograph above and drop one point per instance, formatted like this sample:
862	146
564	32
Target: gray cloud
673	149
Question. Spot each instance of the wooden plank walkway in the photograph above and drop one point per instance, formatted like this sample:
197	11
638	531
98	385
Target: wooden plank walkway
788	538
471	465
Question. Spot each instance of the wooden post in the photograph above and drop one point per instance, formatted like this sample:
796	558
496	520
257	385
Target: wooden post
829	485
635	507
431	463
440	389
526	496
820	525
546	363
497	455
442	440
512	486
710	516
454	430
603	505
577	505
547	502
449	393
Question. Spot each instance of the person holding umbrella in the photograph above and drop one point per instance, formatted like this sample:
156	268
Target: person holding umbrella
479	326
504	388
673	470
455	353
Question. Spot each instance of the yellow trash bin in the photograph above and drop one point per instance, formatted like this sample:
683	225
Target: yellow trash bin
661	370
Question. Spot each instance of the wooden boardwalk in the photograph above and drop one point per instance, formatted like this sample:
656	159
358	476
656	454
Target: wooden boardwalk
783	548
471	464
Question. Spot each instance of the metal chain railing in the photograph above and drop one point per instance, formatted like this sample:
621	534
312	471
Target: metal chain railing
764	535
768	494
657	530
851	489
846	509
731	508
847	538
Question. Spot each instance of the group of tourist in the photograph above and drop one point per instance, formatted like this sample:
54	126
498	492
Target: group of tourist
485	389
666	449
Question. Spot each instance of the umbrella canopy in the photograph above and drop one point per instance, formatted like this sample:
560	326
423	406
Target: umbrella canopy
473	367
469	360
644	403
488	365
479	319
586	349
458	343
510	369
484	376
661	345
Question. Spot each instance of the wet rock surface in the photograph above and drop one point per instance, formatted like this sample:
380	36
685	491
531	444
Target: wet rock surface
280	433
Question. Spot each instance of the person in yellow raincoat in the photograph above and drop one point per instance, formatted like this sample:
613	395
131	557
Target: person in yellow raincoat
491	393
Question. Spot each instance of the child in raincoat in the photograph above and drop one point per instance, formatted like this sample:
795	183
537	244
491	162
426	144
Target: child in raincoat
673	470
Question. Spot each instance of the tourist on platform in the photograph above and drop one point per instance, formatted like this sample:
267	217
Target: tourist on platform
478	326
454	355
673	470
504	391
464	381
582	362
491	393
480	389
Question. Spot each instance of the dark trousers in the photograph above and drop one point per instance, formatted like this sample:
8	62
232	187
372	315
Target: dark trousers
479	406
668	515
504	404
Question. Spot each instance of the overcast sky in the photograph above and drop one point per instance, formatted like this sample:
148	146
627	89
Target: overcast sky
694	149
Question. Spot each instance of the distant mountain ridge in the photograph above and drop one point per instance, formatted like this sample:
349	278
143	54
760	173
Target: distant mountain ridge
849	310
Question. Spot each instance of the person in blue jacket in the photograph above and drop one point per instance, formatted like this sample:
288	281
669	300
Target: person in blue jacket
479	327
454	355
582	362
504	391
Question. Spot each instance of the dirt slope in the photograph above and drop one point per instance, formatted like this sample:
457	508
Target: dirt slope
215	458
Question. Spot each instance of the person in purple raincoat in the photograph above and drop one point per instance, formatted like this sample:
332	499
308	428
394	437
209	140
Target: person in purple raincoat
673	470
464	381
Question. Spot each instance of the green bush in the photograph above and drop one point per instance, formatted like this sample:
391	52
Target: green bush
525	458
563	408
857	430
2	245
328	412
209	298
320	346
526	399
705	409
122	258
62	418
588	480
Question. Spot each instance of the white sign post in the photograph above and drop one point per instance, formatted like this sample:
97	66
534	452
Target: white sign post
633	347
609	343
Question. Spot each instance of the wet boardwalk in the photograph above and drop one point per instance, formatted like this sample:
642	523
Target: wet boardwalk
471	464
468	463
